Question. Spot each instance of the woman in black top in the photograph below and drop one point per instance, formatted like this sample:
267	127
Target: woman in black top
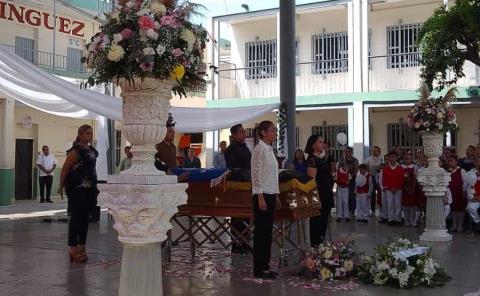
79	178
319	166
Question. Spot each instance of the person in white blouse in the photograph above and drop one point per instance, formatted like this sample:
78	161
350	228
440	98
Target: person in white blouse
265	190
46	164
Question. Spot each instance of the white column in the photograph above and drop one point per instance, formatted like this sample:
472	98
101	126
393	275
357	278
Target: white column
7	151
350	126
357	46
358	130
366	132
364	54
350	48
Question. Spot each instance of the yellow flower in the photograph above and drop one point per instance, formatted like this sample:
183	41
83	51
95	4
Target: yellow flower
177	72
348	265
158	8
325	273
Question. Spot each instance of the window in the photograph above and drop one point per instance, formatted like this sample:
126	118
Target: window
118	147
402	49
400	135
329	134
330	53
25	48
196	138
73	60
261	59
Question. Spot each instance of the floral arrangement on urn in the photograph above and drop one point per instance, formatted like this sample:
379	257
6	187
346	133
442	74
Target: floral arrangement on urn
402	263
433	114
149	38
331	260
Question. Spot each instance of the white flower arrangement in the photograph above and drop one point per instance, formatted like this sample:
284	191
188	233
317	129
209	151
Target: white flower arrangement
386	267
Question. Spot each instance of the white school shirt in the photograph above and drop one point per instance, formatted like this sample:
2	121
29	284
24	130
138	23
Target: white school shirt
264	170
47	161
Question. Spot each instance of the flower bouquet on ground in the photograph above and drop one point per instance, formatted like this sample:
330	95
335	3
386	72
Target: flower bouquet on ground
402	263
433	114
331	260
149	38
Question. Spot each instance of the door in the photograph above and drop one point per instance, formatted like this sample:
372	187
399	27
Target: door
23	168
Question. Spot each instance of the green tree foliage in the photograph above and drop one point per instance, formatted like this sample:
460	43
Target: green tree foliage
448	39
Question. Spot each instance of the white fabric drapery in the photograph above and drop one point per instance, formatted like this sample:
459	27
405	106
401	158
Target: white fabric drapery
29	84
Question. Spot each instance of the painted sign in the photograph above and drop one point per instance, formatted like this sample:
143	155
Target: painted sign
35	18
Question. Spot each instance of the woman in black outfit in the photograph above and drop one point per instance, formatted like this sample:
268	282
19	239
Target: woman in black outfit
79	178
319	166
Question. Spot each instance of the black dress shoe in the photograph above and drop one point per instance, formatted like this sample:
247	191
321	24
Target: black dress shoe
264	275
42	201
339	220
49	201
347	220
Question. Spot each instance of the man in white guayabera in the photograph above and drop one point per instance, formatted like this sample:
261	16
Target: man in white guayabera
46	164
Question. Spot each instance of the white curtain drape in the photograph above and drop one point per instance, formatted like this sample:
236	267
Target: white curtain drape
29	84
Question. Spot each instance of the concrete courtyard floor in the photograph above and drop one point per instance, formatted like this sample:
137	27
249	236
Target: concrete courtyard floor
34	261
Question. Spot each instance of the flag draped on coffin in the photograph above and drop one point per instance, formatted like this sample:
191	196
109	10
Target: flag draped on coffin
32	86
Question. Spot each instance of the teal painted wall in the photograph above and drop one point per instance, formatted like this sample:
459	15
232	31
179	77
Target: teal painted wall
7	186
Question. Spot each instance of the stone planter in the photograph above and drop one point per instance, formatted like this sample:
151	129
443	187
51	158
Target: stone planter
142	200
434	181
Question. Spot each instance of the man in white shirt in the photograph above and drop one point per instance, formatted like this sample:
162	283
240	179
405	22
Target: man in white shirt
46	164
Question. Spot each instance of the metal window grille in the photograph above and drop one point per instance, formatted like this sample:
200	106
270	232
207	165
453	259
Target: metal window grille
402	49
25	48
329	134
297	137
74	57
297	57
330	53
400	135
261	59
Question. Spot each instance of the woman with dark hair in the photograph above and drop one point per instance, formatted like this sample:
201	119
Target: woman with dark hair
299	163
468	162
79	178
191	160
319	166
265	190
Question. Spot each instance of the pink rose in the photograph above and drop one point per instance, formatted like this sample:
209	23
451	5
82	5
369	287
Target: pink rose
177	52
126	33
146	23
146	66
169	21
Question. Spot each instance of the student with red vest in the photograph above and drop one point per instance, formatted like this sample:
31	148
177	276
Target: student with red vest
342	178
459	201
393	179
409	194
473	192
363	188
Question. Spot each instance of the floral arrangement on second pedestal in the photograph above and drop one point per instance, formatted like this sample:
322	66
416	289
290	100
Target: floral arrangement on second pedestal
149	38
331	260
433	114
402	263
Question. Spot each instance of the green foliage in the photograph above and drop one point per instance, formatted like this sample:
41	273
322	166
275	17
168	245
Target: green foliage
448	39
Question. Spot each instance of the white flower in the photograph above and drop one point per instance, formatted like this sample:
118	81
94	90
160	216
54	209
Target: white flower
403	279
143	36
382	266
426	124
188	36
130	4
117	38
105	41
158	8
417	124
440	126
160	49
115	53
393	273
440	115
148	51
410	269
152	34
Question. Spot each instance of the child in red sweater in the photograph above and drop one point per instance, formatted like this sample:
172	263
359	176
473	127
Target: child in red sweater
409	194
342	178
393	179
456	186
363	189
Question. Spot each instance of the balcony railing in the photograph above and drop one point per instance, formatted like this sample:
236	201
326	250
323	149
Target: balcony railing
317	77
49	60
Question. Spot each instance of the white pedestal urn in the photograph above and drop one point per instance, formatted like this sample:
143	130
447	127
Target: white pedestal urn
434	181
142	199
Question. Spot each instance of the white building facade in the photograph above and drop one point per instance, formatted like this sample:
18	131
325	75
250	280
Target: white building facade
357	71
